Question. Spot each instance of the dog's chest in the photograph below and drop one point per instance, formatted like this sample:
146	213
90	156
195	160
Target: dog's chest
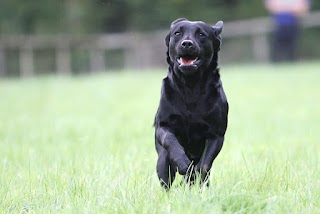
194	116
195	111
197	104
190	112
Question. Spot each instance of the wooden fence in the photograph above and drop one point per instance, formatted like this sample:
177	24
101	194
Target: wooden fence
141	50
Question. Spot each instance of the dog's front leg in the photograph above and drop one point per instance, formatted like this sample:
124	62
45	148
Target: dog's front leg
176	152
212	148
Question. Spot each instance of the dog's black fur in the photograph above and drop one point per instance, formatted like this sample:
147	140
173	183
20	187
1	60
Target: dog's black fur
191	120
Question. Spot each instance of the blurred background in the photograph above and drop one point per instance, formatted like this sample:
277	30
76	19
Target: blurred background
81	36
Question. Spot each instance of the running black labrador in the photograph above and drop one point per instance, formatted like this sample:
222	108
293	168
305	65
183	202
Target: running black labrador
191	120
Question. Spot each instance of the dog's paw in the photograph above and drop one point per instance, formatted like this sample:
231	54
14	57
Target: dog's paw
183	163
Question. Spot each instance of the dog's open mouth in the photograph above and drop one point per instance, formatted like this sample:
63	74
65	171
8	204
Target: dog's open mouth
187	60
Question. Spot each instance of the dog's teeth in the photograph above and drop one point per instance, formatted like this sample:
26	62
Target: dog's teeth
183	61
194	60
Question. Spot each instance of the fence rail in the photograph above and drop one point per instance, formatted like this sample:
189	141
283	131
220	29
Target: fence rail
141	50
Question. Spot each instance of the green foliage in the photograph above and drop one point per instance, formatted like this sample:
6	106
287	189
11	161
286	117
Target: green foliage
94	16
86	145
86	16
31	16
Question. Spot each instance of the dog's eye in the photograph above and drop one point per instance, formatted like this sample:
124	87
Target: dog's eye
177	33
201	35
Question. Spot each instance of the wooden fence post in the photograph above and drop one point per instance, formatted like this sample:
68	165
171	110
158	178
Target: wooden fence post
26	62
63	59
97	60
3	65
131	55
261	50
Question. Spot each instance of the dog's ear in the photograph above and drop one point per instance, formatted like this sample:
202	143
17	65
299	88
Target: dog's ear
177	21
217	29
167	40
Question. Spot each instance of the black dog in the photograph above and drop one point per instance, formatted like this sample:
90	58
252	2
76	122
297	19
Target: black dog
192	116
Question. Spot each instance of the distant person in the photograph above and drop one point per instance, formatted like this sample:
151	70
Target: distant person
286	16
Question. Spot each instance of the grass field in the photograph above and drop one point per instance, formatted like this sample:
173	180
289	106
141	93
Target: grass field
86	145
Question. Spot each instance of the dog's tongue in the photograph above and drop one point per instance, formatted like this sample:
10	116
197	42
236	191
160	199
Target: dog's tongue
187	61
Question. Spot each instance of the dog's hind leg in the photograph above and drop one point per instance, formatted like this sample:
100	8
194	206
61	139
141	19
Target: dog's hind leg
166	172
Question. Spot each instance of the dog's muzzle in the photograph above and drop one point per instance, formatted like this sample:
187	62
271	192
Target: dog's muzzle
188	57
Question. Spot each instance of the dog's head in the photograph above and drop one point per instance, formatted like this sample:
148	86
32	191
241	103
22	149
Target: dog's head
192	46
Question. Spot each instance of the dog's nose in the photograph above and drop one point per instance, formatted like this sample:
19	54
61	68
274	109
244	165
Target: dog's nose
187	44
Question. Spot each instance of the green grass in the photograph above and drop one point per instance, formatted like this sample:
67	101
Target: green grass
86	145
